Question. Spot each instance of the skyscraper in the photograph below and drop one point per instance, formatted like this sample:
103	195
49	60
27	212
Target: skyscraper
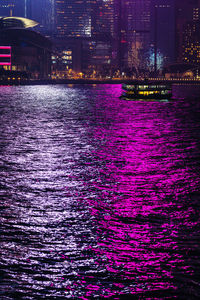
102	18
88	24
72	18
134	29
84	18
187	31
101	44
162	32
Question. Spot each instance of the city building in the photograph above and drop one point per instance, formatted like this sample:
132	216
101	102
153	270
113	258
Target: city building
5	57
87	28
162	33
72	18
67	57
191	43
100	50
30	51
102	19
187	31
134	34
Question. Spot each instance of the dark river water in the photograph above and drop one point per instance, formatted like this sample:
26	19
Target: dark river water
99	196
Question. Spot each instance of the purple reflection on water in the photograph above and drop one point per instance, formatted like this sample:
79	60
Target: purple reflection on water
138	211
99	195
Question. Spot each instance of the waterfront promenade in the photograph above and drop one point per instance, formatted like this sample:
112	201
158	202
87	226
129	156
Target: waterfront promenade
171	81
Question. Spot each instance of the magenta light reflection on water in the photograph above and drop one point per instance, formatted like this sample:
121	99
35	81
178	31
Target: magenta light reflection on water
137	216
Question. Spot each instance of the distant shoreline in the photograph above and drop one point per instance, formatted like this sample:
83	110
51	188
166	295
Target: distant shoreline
97	81
60	81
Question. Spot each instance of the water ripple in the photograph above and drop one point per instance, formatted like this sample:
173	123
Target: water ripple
99	196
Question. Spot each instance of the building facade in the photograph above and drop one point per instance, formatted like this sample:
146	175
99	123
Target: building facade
191	43
90	25
187	31
72	18
162	33
27	50
134	33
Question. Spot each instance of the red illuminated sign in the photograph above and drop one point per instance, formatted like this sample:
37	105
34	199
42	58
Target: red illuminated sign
5	56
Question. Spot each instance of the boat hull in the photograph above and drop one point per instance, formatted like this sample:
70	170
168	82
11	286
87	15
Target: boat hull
150	97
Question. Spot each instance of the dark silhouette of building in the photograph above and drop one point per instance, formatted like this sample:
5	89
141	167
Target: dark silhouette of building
87	28
134	33
163	32
31	52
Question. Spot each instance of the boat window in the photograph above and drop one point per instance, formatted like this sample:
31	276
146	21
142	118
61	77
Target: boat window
143	87
130	87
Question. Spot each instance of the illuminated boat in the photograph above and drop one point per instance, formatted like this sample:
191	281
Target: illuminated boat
146	91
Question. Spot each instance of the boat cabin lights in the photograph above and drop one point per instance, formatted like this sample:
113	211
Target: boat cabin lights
130	87
143	87
147	93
